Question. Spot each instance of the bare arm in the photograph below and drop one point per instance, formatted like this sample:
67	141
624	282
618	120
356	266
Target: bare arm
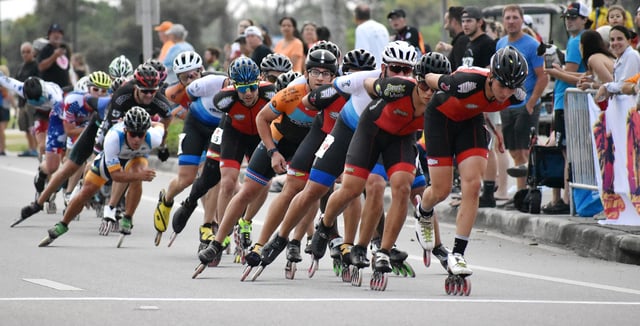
541	83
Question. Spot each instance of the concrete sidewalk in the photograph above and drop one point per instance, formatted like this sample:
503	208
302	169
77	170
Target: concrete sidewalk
582	235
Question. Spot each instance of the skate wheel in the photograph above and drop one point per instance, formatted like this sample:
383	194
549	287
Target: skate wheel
158	238
45	242
120	241
199	270
395	270
172	238
448	285
290	270
314	267
466	287
337	266
356	276
245	273
426	258
215	262
346	274
410	271
257	273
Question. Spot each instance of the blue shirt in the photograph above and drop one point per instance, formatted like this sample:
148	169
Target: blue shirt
573	56
528	46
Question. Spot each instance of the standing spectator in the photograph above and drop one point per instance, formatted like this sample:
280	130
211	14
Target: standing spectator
528	22
26	112
576	21
79	68
253	37
177	33
397	20
370	34
600	13
495	29
455	50
324	34
212	59
6	99
480	47
598	59
234	50
167	43
53	60
617	16
291	45
309	34
518	120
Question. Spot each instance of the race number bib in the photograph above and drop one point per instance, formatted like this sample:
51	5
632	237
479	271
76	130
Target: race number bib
216	136
325	146
180	139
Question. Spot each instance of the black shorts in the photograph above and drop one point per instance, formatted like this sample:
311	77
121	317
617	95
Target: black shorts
304	156
5	114
259	168
26	117
558	128
516	126
234	146
330	157
193	141
83	147
446	139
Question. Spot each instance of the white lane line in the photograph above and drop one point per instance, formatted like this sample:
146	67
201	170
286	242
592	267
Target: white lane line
307	300
52	284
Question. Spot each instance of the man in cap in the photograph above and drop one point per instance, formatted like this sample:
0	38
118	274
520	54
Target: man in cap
409	34
53	60
480	47
164	38
177	34
253	37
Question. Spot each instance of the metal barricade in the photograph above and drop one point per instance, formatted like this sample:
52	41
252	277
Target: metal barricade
579	145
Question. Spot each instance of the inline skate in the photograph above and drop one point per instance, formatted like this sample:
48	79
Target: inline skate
334	252
125	229
359	261
253	259
457	282
207	256
293	257
27	212
381	265
424	232
181	217
53	233
161	216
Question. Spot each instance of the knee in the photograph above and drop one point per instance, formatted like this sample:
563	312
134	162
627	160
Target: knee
400	191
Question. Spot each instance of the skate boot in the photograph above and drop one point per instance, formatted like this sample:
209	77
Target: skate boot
244	233
457	282
161	216
381	265
50	205
108	220
27	212
272	249
307	246
424	232
208	255
442	253
334	252
359	261
125	229
345	262
253	259
53	233
399	263
38	182
181	216
293	257
206	236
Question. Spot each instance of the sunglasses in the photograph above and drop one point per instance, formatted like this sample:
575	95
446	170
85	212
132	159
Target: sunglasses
422	85
184	77
141	134
99	90
243	88
315	73
400	69
148	90
271	78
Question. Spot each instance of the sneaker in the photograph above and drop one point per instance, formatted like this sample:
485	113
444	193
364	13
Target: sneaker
126	225
559	208
456	265
244	229
162	213
519	171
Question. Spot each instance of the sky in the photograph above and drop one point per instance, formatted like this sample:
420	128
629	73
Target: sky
12	9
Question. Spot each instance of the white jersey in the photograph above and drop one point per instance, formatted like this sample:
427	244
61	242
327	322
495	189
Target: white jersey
353	84
51	91
202	90
117	149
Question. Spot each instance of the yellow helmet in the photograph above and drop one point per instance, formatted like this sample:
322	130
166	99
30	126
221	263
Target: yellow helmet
100	79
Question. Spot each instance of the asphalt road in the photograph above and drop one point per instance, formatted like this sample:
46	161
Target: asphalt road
83	279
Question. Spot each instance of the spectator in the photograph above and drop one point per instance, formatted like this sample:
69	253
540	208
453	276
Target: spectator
618	17
324	34
79	68
234	50
309	35
597	58
455	50
403	32
480	47
576	21
26	112
370	34
53	60
627	62
528	22
495	29
6	99
600	13
212	59
291	45
518	120
177	33
167	43
254	39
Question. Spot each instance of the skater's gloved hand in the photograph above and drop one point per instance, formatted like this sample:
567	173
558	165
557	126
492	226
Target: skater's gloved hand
163	153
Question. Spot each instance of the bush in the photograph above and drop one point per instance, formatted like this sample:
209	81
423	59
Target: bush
175	128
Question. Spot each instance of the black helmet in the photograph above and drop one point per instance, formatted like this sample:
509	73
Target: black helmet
326	45
137	120
360	59
275	62
285	78
160	68
117	82
33	88
432	62
146	76
509	67
322	59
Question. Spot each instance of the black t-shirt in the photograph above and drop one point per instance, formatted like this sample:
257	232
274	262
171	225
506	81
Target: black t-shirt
459	44
58	72
479	51
410	35
259	53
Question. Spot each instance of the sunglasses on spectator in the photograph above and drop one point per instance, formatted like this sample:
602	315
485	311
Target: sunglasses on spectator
184	77
400	69
140	134
99	90
243	88
315	73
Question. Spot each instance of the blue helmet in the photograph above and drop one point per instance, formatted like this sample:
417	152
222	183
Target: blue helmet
244	71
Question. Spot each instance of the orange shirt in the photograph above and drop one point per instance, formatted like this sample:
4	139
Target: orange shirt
165	48
294	50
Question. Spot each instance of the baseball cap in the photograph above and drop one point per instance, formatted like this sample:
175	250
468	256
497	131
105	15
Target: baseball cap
471	12
396	13
528	20
253	30
577	9
164	26
55	27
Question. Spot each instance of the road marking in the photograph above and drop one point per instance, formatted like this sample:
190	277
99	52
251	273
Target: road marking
52	284
307	300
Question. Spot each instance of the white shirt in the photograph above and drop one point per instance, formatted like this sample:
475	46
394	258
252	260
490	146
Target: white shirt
626	66
373	37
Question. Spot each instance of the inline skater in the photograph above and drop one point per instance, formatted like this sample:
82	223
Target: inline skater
120	66
454	130
282	125
273	65
126	146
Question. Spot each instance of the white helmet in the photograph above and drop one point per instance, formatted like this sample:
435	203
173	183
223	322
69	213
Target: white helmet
399	52
82	85
120	66
185	61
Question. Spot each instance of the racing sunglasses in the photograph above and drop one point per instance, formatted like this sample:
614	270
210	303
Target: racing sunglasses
140	134
243	88
400	69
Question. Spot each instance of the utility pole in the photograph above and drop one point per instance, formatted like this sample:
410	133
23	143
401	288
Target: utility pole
147	15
